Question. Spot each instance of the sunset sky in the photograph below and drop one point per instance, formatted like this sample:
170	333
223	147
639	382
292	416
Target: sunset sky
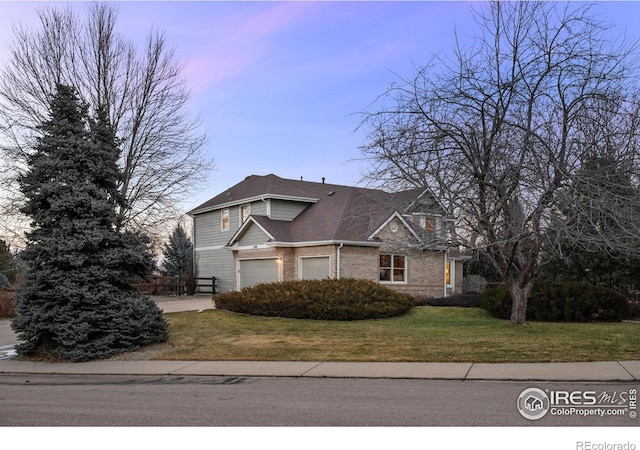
279	85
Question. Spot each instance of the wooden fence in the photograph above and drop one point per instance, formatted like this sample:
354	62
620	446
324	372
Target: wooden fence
164	285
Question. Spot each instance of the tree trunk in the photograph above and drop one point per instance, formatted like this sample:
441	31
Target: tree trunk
520	297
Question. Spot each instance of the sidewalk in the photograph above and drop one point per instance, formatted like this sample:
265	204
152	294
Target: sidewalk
589	372
581	371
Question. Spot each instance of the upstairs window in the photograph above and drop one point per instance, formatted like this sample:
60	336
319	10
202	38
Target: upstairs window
393	269
245	212
224	220
425	223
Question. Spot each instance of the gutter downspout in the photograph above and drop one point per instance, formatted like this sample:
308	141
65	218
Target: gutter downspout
265	200
339	260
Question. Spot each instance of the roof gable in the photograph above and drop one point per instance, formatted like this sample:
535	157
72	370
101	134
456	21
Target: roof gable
272	230
250	226
398	217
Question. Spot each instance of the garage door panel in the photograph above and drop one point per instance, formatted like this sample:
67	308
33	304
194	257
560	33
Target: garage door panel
314	268
255	271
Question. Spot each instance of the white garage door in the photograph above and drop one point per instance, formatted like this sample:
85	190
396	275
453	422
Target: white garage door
314	268
254	271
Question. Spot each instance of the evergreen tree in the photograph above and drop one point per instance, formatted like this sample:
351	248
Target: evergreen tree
590	245
178	259
4	282
178	253
76	301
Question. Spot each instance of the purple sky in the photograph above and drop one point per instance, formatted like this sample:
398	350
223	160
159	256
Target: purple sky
277	84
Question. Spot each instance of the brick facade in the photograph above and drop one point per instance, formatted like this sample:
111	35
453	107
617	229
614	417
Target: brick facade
425	272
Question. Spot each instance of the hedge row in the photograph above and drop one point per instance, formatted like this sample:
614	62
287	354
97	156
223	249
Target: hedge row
328	299
561	302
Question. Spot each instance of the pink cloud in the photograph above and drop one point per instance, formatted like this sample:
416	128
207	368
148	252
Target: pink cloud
240	42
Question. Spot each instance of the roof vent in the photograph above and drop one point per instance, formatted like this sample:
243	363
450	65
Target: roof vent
331	193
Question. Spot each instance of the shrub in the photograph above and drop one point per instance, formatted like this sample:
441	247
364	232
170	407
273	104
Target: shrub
465	299
496	300
560	302
328	299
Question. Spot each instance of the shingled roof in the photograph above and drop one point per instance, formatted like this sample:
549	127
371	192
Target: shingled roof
268	186
336	212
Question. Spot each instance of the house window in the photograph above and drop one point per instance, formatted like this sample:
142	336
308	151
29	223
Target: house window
449	276
425	223
224	222
245	211
393	269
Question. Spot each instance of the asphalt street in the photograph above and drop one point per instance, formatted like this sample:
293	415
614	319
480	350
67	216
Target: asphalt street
99	400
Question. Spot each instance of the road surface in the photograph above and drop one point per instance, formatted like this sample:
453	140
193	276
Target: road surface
74	400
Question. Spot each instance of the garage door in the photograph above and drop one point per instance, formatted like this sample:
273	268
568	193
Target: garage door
254	271
314	268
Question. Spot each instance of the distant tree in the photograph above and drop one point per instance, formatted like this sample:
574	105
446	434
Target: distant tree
8	264
178	254
76	301
178	259
161	151
590	240
499	132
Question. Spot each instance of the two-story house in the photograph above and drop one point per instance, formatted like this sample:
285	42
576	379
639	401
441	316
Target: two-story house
267	229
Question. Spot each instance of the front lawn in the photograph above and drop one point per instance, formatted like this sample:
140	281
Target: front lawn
428	334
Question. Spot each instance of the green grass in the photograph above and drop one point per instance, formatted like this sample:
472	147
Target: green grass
427	334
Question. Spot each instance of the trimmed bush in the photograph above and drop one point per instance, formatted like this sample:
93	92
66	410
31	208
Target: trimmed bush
328	299
560	302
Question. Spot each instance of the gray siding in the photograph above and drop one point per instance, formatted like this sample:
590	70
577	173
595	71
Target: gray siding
253	236
204	229
216	263
286	210
259	208
212	258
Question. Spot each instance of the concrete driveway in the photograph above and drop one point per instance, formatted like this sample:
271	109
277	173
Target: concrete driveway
7	336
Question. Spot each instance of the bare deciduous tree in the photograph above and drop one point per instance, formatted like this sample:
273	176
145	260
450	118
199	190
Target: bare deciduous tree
162	149
500	132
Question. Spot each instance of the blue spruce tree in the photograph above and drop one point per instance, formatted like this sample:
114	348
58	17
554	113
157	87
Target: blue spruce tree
178	254
77	302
